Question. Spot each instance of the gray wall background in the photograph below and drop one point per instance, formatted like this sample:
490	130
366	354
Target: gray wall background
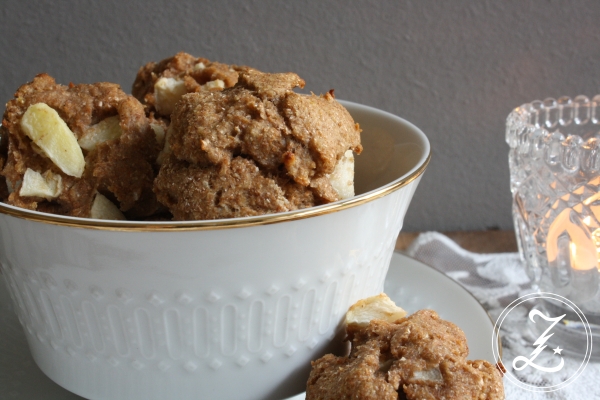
454	68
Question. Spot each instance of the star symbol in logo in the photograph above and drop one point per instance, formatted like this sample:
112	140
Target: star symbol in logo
557	350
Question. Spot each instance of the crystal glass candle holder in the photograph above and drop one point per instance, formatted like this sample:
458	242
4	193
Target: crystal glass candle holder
554	164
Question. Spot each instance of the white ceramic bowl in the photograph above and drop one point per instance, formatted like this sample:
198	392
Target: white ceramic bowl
226	309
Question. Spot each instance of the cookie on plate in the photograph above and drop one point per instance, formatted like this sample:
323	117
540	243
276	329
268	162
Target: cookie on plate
420	356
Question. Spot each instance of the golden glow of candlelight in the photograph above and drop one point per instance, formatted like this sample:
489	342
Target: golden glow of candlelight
583	246
574	259
596	239
582	259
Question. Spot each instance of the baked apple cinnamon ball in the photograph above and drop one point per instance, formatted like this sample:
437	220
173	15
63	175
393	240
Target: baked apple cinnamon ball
394	356
84	150
256	148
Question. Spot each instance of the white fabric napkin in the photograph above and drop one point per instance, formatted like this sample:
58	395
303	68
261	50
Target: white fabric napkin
496	280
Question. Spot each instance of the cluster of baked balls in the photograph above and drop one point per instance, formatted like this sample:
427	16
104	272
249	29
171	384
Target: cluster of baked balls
195	140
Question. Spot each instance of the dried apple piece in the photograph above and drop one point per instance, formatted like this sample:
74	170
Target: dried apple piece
107	129
51	134
103	208
217	84
48	186
342	177
376	307
159	131
167	92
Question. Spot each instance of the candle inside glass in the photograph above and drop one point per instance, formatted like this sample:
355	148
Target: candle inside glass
573	256
554	164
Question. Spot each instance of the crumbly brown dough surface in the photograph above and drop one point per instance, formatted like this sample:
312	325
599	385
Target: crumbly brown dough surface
418	357
122	169
193	71
255	148
235	189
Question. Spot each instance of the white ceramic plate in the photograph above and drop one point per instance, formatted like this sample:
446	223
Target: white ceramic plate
414	286
411	284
